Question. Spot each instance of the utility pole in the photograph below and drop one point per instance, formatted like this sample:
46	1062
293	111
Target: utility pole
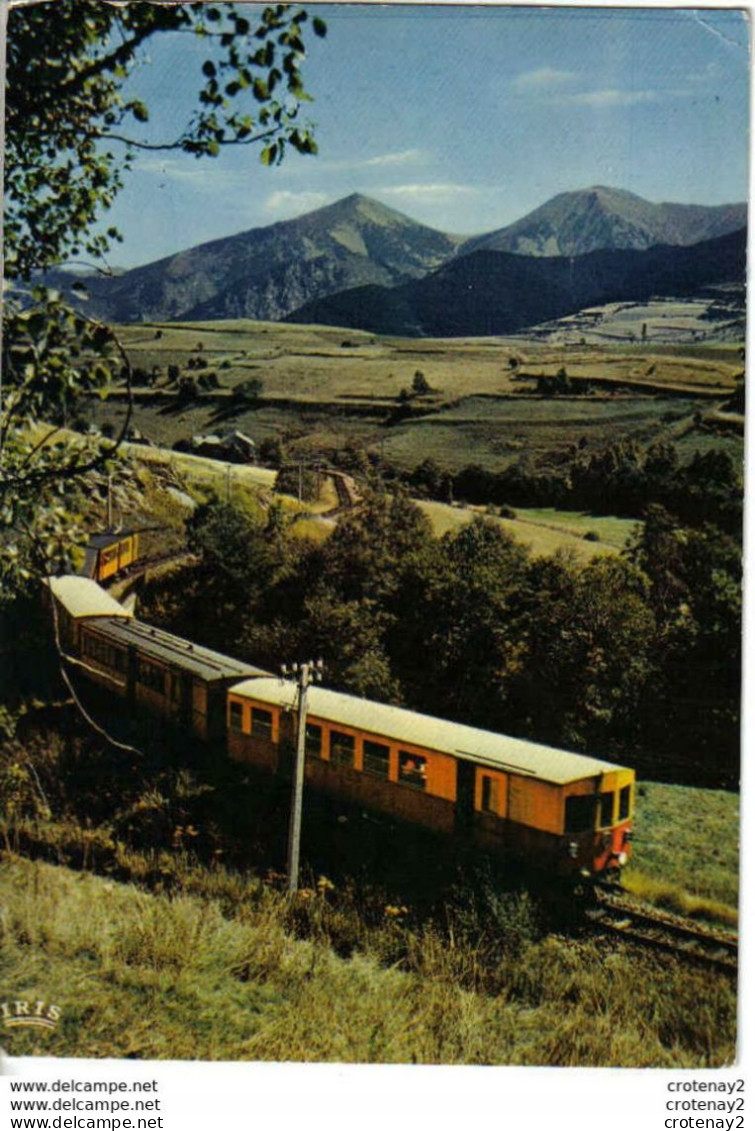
110	502
304	674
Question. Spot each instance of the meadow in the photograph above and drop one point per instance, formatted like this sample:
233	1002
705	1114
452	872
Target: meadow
221	965
322	388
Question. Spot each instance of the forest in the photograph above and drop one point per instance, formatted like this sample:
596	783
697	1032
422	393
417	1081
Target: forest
634	657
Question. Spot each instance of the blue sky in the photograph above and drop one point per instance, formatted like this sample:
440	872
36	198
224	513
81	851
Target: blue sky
464	118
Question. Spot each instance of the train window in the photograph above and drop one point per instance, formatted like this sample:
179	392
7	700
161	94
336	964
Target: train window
236	716
262	724
341	748
412	769
580	814
490	793
152	677
625	799
104	654
606	810
376	759
313	741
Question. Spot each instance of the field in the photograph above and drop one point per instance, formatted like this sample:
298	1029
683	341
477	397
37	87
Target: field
327	364
227	968
323	388
544	531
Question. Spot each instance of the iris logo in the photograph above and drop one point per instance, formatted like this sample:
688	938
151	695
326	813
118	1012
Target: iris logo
29	1014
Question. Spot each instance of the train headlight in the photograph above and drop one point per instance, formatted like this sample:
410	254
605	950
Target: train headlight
573	849
622	859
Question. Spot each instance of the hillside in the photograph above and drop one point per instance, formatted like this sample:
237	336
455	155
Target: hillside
599	218
265	273
495	292
270	272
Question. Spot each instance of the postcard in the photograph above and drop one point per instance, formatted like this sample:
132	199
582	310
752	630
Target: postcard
372	448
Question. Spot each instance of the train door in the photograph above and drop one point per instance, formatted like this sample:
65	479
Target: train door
465	795
186	711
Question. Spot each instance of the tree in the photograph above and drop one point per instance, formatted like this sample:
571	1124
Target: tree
420	384
72	132
585	661
457	623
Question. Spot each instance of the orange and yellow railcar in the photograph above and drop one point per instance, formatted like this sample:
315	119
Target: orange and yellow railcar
548	808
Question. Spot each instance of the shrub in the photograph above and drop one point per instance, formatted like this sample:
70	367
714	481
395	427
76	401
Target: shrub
249	390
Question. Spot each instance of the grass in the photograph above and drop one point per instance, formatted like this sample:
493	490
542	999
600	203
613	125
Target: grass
313	361
149	977
533	529
498	433
168	953
324	387
687	841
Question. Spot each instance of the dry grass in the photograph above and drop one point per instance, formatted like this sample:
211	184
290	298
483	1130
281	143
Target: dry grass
148	976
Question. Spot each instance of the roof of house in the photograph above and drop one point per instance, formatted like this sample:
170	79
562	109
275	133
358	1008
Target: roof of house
82	597
156	644
498	751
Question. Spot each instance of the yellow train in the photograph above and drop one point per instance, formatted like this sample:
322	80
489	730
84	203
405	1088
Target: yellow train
108	554
565	814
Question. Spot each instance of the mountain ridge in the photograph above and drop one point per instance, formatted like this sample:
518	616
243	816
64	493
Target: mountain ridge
494	292
267	273
604	218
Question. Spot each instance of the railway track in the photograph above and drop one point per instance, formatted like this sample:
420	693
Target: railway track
661	930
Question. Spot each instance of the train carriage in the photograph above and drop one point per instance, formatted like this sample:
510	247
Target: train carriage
548	808
110	553
161	673
147	668
76	600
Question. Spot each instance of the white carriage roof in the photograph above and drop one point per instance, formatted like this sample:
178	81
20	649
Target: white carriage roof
81	597
514	755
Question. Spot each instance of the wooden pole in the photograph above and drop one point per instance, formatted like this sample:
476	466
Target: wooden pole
297	785
305	673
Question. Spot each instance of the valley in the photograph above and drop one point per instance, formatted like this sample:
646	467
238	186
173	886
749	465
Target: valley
323	389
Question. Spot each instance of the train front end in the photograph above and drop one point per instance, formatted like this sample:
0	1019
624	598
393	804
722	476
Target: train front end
597	829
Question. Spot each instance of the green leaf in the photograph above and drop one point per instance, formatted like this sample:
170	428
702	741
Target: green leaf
319	27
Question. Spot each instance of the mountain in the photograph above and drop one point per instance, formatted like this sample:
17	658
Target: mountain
495	292
267	272
598	218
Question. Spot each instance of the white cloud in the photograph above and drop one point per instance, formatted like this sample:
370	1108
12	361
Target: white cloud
294	203
428	192
542	79
608	98
404	157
